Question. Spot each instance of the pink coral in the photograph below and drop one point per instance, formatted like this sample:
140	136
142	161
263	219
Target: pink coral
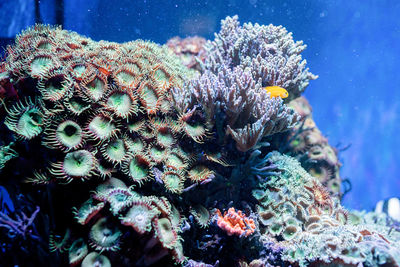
235	223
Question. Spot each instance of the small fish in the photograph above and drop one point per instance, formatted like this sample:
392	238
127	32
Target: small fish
276	91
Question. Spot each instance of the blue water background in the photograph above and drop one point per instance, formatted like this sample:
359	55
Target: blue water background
353	45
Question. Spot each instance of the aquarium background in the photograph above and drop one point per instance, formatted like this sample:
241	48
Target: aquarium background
354	47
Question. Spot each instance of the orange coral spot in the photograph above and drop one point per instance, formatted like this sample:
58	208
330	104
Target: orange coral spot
104	71
235	223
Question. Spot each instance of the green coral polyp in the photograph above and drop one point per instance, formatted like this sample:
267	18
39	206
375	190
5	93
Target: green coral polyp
77	252
201	214
121	104
54	86
165	137
40	64
69	135
26	120
115	150
196	131
157	154
290	232
173	181
119	199
79	71
165	232
175	161
101	127
139	217
135	146
137	168
94	259
105	235
77	106
149	97
96	89
125	77
87	211
80	164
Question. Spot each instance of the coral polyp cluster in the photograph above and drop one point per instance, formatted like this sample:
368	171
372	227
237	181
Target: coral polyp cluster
96	102
129	158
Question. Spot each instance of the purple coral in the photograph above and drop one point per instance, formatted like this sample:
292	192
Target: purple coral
268	52
21	226
249	111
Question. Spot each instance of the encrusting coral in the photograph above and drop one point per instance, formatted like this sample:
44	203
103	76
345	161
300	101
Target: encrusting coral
142	161
314	228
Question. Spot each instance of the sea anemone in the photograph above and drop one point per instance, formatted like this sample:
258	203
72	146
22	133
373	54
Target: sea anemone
135	146
94	88
67	136
193	128
136	124
176	159
200	173
40	63
80	164
321	197
101	127
119	199
139	216
137	167
80	70
114	150
149	96
127	78
94	259
122	104
26	119
162	204
76	105
201	214
165	137
77	252
105	235
157	153
54	85
88	210
161	77
173	181
165	232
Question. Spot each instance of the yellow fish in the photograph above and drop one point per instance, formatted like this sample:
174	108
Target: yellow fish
277	91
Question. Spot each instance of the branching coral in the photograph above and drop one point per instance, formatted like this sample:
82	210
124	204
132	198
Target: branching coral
249	112
269	52
241	61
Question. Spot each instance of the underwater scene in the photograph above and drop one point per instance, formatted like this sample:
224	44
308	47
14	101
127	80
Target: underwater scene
199	133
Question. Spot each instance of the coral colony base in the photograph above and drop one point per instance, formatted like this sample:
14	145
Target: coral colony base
137	154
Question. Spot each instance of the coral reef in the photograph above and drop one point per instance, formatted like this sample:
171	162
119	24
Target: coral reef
136	154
